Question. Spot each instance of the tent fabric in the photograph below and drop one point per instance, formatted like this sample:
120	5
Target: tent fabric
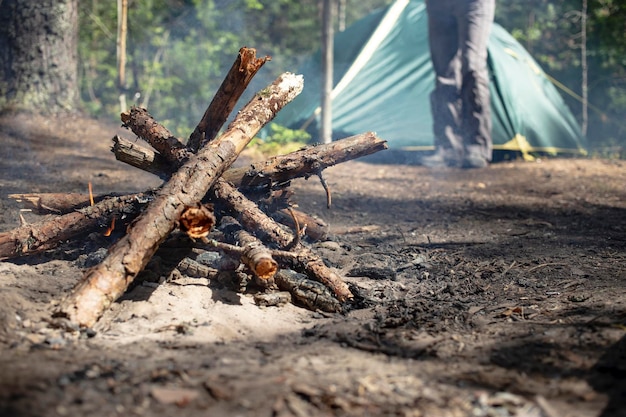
383	78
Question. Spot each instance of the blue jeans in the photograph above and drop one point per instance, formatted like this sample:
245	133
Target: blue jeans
458	34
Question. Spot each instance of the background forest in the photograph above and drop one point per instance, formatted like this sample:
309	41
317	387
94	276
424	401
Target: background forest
178	52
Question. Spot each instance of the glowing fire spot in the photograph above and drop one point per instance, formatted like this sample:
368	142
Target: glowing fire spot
110	229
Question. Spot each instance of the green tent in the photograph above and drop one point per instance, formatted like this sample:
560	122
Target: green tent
383	78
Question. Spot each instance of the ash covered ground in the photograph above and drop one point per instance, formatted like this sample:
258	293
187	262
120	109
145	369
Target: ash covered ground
494	292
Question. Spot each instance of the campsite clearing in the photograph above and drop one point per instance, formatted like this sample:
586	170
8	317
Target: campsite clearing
488	292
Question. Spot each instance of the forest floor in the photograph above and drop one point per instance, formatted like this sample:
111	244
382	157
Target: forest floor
494	292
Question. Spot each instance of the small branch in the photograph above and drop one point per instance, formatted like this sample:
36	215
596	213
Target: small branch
212	244
296	234
241	73
326	189
314	228
141	123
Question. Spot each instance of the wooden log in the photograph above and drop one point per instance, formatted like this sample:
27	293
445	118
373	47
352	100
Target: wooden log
281	168
252	218
241	73
49	233
57	203
254	254
161	139
104	283
306	162
141	157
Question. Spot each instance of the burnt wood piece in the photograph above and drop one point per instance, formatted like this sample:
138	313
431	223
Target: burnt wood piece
306	292
253	218
49	233
56	203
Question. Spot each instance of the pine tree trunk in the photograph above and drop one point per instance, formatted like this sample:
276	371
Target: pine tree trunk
38	55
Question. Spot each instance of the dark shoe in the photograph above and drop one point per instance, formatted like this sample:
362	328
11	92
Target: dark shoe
440	159
474	161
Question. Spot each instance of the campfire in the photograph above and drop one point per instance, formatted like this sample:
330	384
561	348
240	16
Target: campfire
257	222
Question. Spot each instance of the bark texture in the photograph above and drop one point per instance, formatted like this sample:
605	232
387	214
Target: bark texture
141	157
38	55
141	123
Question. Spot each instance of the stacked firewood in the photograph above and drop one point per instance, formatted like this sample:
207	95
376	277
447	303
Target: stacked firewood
201	190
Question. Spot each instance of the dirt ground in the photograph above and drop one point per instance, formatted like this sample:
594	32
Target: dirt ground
495	292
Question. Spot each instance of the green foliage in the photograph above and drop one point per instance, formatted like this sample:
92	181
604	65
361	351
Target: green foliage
179	51
254	5
281	140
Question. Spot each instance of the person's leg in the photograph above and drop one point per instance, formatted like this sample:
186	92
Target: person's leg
474	32
445	98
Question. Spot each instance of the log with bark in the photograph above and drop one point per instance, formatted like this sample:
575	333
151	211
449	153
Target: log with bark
241	73
47	234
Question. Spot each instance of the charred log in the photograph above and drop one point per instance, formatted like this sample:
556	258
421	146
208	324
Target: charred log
49	233
252	218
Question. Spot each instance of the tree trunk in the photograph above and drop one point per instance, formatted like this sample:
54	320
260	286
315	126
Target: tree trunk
38	55
584	68
326	133
122	31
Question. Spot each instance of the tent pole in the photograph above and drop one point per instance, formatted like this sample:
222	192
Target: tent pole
326	133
